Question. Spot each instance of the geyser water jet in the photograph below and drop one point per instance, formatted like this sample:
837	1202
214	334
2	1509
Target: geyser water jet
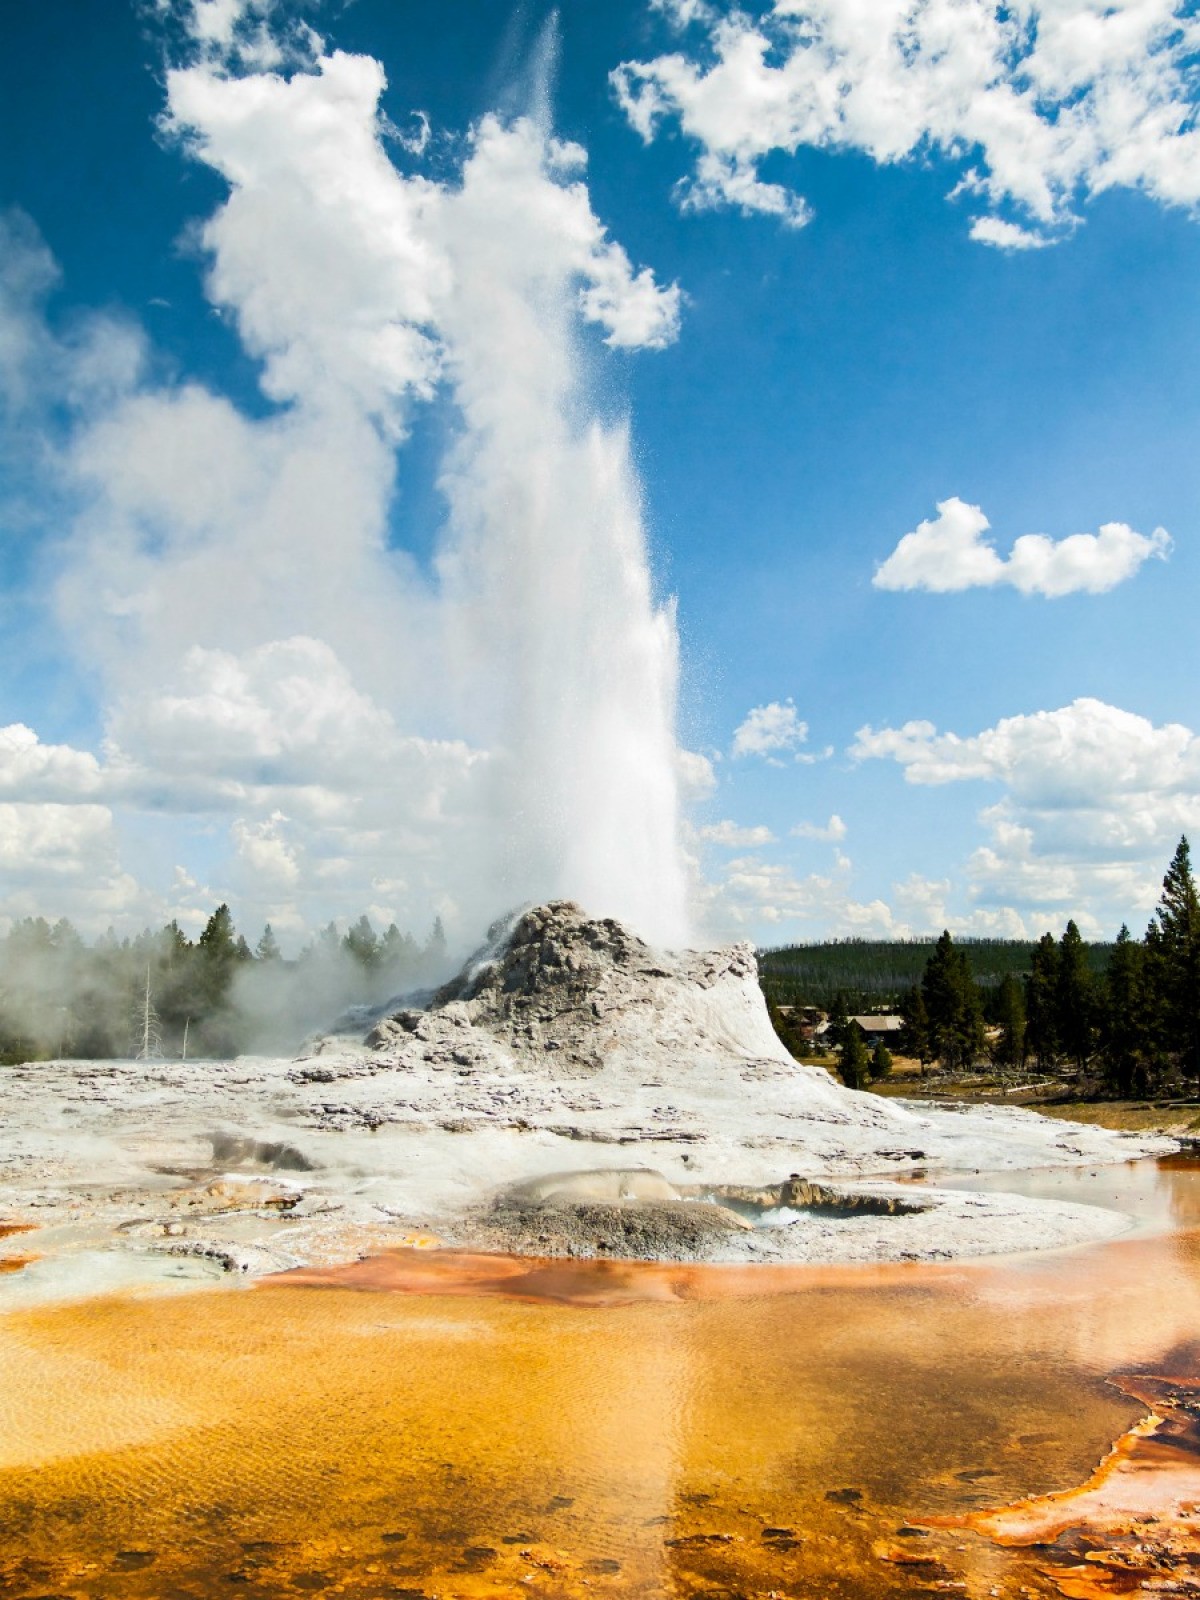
571	665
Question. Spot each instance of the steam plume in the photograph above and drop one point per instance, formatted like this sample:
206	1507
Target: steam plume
504	727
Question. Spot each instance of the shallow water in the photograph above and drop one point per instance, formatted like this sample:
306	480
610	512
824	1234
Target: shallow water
476	1426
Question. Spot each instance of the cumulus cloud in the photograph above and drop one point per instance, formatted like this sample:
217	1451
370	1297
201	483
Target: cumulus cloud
735	837
1041	105
697	775
753	893
40	771
770	731
833	832
949	553
1007	235
1093	800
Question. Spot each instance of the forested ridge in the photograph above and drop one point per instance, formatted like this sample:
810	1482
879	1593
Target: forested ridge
872	973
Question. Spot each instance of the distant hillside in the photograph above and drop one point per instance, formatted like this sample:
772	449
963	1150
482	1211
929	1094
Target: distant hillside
874	972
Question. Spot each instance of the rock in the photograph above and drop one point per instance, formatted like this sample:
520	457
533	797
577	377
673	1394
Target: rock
227	1194
249	1259
806	1194
233	1150
663	1230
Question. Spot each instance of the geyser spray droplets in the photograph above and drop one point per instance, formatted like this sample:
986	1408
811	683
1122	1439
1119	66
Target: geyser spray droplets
552	607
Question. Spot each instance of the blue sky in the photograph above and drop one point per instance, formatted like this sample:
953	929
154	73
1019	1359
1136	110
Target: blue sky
958	739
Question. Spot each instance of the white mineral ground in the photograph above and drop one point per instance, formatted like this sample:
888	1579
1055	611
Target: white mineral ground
511	1114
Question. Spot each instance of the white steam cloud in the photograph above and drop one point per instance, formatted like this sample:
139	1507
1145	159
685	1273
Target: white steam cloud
364	733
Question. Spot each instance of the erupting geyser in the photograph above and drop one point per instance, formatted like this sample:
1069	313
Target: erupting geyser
571	666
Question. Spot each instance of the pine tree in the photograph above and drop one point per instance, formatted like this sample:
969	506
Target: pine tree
1173	963
1124	1041
1009	1050
881	1062
1041	1003
218	940
268	945
435	950
1074	1000
916	1027
853	1062
362	943
839	1028
952	1001
219	952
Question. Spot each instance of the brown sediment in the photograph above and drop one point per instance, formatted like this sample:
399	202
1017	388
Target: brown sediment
597	1283
15	1263
1134	1524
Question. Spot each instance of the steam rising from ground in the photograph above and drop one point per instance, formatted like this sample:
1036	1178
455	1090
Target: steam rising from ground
370	736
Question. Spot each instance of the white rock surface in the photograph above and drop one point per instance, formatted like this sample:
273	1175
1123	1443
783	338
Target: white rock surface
569	1045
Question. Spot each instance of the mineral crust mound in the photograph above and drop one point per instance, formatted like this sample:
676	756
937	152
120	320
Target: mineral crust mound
557	992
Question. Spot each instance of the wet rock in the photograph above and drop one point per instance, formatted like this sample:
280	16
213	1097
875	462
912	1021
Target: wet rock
249	1259
805	1194
134	1560
226	1194
666	1230
232	1150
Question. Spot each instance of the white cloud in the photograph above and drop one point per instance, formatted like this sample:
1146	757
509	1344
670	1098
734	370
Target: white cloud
769	731
262	847
1007	235
697	775
1094	799
1047	103
833	832
734	837
39	771
755	893
949	554
63	860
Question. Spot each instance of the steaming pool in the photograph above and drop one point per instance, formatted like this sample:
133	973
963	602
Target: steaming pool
433	1424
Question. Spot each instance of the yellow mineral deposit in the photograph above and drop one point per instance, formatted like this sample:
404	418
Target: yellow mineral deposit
437	1424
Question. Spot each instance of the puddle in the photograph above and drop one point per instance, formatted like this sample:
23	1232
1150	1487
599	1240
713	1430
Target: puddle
1162	1195
479	1426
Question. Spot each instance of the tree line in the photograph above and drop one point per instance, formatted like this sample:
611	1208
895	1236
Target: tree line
163	994
868	973
1132	1026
